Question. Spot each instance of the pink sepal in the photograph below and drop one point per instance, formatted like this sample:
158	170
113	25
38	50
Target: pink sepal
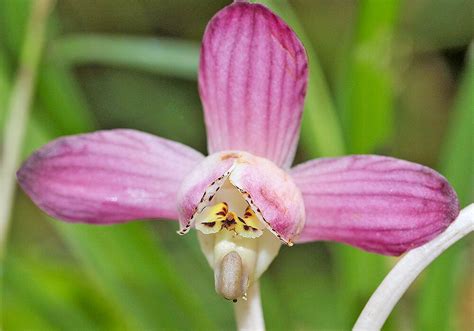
377	203
252	80
108	176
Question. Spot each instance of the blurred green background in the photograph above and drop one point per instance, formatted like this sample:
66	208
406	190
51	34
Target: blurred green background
386	76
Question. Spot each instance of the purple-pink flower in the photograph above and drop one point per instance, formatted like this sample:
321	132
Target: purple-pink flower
243	199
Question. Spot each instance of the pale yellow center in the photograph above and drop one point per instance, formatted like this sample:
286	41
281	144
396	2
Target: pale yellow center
235	242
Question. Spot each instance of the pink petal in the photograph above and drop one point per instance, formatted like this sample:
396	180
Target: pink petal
269	190
377	203
252	81
107	176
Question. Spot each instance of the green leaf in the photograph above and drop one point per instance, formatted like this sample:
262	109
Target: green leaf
13	18
440	292
367	88
156	55
457	159
49	294
62	100
133	270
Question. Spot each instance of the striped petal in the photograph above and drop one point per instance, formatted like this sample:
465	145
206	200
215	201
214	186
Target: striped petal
252	81
377	203
107	176
268	190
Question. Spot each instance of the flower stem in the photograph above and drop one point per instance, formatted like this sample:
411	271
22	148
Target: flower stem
407	270
17	111
248	313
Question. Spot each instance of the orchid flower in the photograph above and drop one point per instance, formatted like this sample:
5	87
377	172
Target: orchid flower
244	199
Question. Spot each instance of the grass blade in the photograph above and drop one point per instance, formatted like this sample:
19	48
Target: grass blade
5	87
367	89
48	292
457	160
436	308
61	99
18	110
156	55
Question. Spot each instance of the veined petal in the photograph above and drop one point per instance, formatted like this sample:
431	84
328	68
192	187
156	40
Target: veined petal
252	81
376	203
267	189
108	176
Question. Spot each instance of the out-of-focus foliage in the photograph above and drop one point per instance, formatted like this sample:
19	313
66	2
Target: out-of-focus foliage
387	77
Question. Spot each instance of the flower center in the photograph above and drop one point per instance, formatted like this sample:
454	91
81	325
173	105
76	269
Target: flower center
236	244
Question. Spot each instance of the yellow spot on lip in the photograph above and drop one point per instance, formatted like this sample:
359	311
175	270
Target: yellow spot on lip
218	218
